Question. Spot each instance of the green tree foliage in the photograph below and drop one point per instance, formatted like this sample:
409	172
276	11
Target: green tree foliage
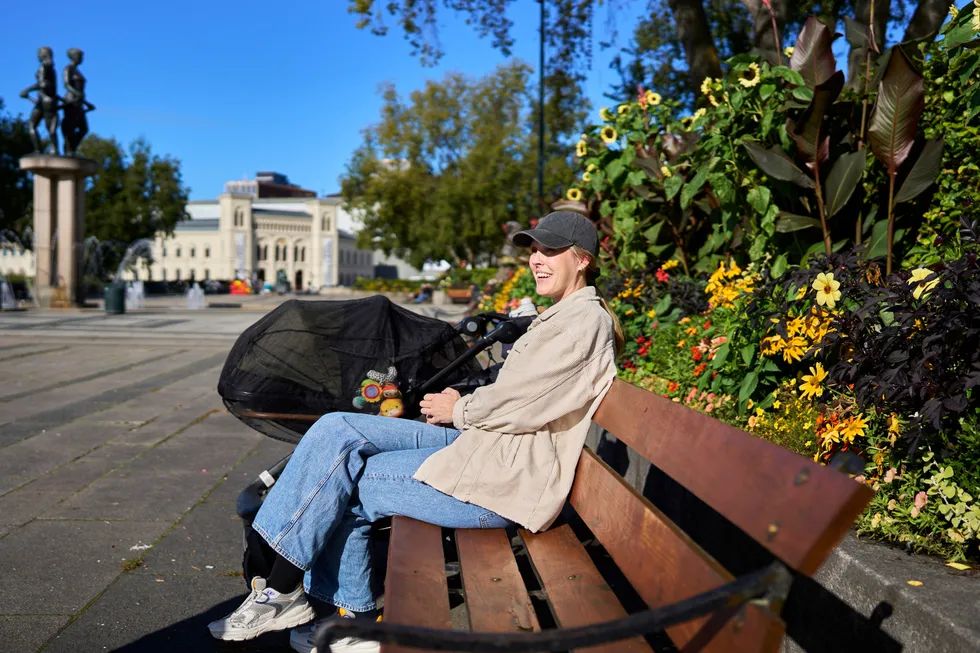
445	168
15	186
134	195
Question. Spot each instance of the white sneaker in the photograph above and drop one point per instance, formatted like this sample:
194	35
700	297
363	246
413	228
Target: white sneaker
264	610
301	639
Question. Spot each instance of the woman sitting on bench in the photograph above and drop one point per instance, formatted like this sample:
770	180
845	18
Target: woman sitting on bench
507	455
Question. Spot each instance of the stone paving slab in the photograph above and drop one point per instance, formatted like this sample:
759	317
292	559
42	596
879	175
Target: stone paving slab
140	615
59	566
265	455
27	633
168	479
206	542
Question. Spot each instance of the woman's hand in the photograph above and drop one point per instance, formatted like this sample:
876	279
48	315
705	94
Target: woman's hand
438	408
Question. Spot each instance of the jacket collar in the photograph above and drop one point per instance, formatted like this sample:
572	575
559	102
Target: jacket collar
587	294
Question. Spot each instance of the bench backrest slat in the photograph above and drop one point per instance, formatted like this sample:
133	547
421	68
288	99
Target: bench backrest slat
660	561
797	509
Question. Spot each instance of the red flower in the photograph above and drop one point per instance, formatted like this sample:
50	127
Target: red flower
662	276
642	351
695	354
640	340
672	386
656	324
699	370
713	375
707	325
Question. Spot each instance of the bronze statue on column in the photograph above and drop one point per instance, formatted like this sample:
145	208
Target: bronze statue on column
46	102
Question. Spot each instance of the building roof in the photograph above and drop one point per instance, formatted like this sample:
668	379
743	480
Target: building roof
199	224
281	213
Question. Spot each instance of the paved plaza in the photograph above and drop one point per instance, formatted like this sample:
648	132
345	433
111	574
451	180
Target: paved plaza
119	469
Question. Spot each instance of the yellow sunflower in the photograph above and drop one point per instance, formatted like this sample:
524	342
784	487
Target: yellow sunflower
789	50
652	99
574	194
700	113
750	76
623	108
718	101
609	135
687	121
586	177
811	385
605	115
827	289
590	168
581	149
706	86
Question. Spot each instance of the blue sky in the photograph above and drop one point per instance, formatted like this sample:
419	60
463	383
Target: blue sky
230	88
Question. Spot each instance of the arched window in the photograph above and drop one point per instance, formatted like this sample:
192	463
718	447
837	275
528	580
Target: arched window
207	274
163	273
178	256
302	255
277	252
164	251
265	252
178	274
207	252
193	252
258	252
295	253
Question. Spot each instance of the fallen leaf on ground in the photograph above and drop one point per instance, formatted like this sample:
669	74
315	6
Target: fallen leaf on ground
958	565
915	583
159	580
197	568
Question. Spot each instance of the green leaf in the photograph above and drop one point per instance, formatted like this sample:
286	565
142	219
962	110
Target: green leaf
843	179
856	33
790	222
947	472
723	187
720	356
813	54
672	185
923	173
662	306
758	249
813	144
691	188
636	178
749	384
653	232
895	119
779	266
878	243
789	75
949	491
759	198
768	222
766	90
803	94
614	169
776	164
748	352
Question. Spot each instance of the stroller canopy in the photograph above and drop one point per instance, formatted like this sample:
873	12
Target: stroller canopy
309	358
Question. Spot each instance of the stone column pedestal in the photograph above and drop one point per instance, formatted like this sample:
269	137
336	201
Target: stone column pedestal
59	213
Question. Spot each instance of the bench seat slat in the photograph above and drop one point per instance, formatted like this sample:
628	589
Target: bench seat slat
577	592
797	509
661	562
416	591
496	598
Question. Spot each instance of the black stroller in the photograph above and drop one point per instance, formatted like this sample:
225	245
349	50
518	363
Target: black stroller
306	359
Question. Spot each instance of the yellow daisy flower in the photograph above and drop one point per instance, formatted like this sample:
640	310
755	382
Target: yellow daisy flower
811	385
669	265
706	86
665	171
651	314
609	135
827	288
751	76
918	279
581	149
652	99
789	50
586	177
574	194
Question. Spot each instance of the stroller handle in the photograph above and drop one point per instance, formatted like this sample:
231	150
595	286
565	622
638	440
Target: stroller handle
250	499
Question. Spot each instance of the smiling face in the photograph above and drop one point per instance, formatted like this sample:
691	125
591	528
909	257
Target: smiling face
557	272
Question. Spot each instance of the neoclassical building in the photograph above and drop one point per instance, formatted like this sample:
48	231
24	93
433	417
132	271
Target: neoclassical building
254	230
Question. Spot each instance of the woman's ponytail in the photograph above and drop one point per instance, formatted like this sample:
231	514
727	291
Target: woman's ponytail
591	274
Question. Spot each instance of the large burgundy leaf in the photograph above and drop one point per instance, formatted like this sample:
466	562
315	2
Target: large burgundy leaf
895	119
813	54
807	131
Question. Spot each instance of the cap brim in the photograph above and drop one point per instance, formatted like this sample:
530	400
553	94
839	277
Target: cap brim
542	236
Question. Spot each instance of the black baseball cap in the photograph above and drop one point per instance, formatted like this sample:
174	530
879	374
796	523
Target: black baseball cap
561	229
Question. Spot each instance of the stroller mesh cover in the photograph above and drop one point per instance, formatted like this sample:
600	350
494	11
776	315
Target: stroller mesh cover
309	358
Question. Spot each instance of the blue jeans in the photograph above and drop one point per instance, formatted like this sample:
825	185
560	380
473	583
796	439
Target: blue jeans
348	471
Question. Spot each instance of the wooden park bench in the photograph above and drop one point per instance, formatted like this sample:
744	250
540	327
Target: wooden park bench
795	508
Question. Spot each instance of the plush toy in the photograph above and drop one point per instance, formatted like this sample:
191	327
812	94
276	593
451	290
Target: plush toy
381	387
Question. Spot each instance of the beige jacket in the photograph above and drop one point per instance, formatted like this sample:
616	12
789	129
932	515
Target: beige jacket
521	437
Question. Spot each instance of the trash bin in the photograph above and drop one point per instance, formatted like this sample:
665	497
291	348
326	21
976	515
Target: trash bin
115	298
